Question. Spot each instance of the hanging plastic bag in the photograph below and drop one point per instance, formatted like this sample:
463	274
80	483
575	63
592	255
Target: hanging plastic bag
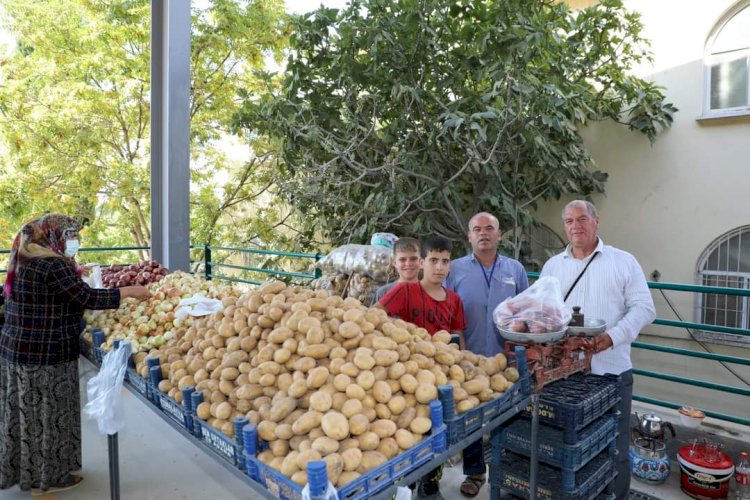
198	305
403	493
105	391
538	309
373	261
330	493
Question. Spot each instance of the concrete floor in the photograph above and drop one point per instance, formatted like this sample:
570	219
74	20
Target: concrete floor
157	463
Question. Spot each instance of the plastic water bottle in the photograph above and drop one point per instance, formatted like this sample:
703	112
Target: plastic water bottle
742	477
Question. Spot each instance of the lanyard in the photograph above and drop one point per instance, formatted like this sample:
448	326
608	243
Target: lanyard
488	279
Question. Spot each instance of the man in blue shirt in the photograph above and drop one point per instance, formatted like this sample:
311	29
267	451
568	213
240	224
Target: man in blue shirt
483	279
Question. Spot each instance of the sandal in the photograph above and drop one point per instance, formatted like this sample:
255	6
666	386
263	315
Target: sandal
68	484
471	485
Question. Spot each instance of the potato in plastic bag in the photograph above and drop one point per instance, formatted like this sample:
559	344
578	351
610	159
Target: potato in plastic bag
538	309
373	261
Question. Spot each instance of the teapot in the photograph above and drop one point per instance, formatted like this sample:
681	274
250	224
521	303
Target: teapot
652	426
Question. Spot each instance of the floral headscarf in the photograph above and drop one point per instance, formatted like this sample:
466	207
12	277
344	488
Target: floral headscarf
41	237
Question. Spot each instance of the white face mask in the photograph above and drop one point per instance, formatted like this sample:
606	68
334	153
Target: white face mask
71	248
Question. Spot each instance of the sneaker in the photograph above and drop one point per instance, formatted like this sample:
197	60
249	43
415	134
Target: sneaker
68	484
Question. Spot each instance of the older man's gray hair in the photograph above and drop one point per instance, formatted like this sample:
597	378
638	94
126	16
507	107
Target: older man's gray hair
590	208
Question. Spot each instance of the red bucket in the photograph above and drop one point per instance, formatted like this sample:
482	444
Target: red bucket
705	471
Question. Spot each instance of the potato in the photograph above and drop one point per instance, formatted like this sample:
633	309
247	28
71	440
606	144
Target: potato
317	377
396	371
385	358
498	382
307	422
266	431
351	407
476	385
383	343
425	393
354	391
297	389
334	466
321	401
335	425
307	456
349	330
289	465
363	361
368	441
223	411
316	351
397	404
465	405
420	425
352	458
300	477
325	445
381	391
279	447
405	418
370	460
366	379
282	408
404	439
284	431
358	424
511	374
348	444
388	447
383	428
203	410
426	377
408	383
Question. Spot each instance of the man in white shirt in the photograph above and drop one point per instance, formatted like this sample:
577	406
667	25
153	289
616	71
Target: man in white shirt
608	284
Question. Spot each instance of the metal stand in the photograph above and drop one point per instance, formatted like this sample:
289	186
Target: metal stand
534	465
114	467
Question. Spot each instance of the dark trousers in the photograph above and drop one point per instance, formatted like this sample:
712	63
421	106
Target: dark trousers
622	464
474	459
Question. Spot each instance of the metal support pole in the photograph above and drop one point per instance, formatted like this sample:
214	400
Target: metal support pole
534	460
207	261
114	467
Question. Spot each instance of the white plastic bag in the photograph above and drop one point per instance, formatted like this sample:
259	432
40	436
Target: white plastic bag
94	276
373	261
538	309
198	305
330	493
403	493
104	391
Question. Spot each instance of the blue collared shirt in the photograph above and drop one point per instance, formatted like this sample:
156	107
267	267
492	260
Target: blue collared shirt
469	281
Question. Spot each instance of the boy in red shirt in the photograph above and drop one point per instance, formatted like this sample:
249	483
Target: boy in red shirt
427	303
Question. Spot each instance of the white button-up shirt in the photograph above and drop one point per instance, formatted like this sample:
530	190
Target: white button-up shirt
614	289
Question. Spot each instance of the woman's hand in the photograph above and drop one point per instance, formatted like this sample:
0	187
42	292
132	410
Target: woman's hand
137	292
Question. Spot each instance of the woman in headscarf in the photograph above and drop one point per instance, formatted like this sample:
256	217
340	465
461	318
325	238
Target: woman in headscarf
40	416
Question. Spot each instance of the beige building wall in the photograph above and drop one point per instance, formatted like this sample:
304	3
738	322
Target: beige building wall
666	202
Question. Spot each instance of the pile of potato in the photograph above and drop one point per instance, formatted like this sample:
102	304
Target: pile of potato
322	377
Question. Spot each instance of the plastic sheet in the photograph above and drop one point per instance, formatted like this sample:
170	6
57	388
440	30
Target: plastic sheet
198	305
105	391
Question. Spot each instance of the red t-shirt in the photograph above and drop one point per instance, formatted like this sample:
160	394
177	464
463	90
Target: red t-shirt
412	303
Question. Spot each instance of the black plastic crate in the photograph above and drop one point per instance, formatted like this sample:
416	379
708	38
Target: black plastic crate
577	401
512	475
593	439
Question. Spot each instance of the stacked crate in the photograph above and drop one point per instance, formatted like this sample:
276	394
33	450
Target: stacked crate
577	442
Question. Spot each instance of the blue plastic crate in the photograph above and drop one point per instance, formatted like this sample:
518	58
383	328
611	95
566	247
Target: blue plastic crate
138	383
178	412
222	445
577	401
459	426
513	475
364	486
597	437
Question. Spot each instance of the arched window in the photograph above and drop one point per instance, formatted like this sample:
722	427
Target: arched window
727	64
726	263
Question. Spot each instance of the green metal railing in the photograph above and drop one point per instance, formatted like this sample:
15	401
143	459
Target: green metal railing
213	269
